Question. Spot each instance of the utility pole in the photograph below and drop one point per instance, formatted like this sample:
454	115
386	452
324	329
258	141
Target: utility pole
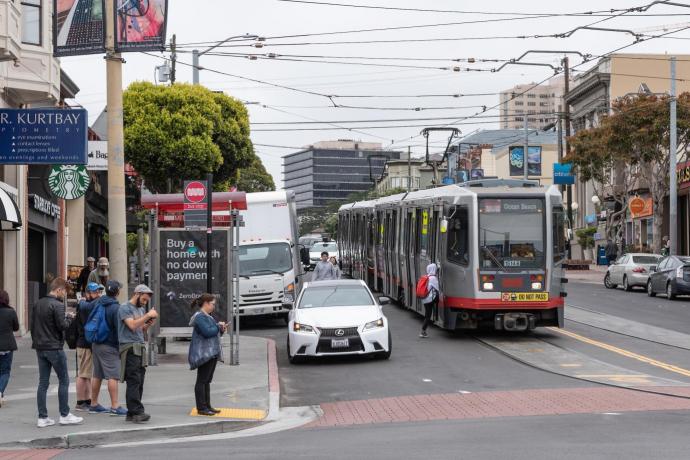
209	234
173	58
117	217
673	194
195	67
409	169
566	110
525	171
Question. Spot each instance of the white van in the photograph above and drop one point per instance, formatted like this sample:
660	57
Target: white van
270	268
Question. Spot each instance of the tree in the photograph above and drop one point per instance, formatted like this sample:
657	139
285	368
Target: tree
184	131
255	178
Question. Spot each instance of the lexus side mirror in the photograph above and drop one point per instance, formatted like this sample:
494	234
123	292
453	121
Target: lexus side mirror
384	300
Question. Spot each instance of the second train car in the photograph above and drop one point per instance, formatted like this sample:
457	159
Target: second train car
499	246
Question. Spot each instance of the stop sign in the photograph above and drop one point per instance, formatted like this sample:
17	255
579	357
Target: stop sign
195	192
636	205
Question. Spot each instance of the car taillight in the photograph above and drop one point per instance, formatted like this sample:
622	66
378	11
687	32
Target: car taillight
639	270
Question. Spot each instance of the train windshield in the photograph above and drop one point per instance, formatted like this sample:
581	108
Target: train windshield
511	233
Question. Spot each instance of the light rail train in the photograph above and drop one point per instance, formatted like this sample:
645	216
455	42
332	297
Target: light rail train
499	245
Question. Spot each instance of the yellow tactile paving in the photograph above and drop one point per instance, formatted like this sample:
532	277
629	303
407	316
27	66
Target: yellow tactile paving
241	414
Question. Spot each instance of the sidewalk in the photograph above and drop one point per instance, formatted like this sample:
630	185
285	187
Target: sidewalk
244	390
595	275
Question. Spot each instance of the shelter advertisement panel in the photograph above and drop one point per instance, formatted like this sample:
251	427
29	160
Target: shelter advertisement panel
140	25
79	27
183	274
515	157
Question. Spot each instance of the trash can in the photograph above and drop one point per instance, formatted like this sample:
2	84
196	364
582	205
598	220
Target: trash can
601	255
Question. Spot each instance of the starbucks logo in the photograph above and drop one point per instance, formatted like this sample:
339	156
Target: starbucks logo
69	182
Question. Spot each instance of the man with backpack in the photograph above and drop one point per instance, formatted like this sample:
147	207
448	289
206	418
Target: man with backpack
428	290
101	331
48	325
92	292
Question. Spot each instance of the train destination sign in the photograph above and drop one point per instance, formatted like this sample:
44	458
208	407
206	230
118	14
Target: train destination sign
43	136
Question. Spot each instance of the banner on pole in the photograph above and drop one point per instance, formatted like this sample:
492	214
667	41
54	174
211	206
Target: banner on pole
140	25
78	27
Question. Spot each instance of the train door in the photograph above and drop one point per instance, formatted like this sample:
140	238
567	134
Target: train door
392	284
409	258
370	251
378	226
458	255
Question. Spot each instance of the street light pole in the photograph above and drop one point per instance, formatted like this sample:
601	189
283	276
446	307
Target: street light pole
196	54
525	171
673	194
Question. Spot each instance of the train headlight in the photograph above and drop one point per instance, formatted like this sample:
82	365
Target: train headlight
488	286
536	286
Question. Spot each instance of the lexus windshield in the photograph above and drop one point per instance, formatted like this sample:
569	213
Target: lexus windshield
511	233
335	296
265	259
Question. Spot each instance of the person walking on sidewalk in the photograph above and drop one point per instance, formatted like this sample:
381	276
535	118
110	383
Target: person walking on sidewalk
133	321
83	279
336	269
48	325
611	252
204	351
84	359
324	269
105	351
431	300
101	274
9	324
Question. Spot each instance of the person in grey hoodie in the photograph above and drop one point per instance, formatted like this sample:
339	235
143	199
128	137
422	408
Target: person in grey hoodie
431	300
324	270
204	351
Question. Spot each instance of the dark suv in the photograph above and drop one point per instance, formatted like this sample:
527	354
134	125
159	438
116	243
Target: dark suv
671	276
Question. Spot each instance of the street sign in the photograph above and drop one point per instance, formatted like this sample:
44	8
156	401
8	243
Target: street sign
69	182
98	156
563	174
182	271
195	204
636	205
43	136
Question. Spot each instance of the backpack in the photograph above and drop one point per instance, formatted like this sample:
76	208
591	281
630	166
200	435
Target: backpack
72	334
97	329
423	286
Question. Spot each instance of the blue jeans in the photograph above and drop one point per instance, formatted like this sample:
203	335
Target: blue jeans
5	368
47	360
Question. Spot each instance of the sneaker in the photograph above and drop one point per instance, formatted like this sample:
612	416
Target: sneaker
82	407
70	419
119	412
44	422
423	335
98	409
141	418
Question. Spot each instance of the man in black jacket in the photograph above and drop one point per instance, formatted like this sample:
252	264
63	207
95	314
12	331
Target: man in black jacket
9	324
48	324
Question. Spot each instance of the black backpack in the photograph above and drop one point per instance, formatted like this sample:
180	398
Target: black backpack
72	334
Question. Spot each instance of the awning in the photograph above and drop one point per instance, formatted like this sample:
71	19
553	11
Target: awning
10	219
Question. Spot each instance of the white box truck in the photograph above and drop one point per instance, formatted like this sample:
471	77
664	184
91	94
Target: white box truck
270	266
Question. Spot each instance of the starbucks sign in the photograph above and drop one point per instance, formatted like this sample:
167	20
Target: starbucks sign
69	182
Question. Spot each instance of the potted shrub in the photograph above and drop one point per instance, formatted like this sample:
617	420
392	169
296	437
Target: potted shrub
585	238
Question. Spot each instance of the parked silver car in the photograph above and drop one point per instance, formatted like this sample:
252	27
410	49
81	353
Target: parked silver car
630	270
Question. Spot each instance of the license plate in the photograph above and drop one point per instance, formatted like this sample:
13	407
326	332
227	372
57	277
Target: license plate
524	296
340	343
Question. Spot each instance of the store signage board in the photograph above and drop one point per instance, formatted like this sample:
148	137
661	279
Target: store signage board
43	136
98	156
563	174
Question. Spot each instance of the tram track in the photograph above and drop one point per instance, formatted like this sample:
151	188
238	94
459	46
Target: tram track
533	343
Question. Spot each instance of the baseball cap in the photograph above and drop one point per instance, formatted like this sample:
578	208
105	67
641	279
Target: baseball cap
112	287
90	259
142	289
92	287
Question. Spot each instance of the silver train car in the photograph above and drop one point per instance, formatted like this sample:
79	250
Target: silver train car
499	245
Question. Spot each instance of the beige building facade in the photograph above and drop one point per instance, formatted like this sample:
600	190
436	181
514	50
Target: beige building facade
539	104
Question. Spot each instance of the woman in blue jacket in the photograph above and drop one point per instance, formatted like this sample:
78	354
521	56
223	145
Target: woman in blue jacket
204	351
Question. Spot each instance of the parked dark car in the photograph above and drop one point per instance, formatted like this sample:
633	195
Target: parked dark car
671	276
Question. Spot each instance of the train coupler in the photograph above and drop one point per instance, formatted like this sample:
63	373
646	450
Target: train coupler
514	321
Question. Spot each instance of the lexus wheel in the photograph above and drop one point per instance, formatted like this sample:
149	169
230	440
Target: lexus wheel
650	291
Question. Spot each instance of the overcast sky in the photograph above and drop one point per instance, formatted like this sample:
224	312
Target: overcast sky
214	20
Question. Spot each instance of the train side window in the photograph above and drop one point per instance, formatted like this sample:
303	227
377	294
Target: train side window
458	229
558	233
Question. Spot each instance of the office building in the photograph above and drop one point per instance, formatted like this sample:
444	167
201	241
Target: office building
538	103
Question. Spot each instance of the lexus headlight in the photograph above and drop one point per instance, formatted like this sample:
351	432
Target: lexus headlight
374	324
297	327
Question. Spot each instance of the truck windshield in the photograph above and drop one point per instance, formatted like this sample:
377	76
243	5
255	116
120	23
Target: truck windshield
511	233
265	258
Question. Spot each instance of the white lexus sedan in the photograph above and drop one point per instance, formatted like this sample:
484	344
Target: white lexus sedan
339	317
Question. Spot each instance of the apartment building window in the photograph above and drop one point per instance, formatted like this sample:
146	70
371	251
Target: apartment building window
519	119
31	22
543	96
519	103
532	104
543	104
532	96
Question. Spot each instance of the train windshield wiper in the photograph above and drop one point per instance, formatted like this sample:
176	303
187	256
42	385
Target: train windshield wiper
493	258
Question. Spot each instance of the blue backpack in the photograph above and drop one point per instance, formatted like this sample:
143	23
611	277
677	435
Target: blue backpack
96	329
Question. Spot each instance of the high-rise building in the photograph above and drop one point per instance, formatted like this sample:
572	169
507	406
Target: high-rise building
330	171
539	104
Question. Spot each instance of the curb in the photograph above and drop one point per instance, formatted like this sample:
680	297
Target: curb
273	381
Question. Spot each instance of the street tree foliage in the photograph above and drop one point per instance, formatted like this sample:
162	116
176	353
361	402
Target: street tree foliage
184	131
255	178
629	150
